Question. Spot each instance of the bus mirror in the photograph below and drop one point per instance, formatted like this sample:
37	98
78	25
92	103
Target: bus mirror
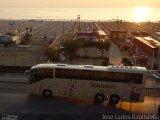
27	73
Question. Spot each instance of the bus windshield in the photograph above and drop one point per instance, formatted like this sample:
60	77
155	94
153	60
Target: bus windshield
36	75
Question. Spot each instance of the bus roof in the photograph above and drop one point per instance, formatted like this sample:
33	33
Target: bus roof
130	69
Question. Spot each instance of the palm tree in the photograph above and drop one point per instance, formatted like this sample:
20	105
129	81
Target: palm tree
51	53
27	37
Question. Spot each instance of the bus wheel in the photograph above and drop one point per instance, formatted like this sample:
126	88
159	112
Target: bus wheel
114	99
47	93
99	98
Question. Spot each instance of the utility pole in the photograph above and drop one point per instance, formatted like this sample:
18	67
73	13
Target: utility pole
63	32
78	20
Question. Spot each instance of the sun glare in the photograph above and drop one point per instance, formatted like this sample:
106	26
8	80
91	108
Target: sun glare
141	14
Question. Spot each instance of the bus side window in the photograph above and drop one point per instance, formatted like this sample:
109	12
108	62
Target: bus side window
60	73
121	77
45	73
137	78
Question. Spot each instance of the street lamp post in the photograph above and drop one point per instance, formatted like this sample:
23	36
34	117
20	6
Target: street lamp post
135	56
78	20
152	63
63	31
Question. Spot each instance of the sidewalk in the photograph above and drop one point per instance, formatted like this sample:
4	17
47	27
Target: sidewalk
114	54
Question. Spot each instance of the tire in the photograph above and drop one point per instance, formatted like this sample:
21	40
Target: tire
114	99
99	98
47	93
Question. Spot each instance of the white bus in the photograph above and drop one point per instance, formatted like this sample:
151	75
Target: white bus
100	83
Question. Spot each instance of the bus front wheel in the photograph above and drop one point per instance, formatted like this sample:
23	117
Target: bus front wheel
47	93
99	98
114	99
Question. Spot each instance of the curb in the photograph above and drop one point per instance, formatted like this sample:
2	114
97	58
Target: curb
9	81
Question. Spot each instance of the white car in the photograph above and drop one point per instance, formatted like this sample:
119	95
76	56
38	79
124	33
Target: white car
156	75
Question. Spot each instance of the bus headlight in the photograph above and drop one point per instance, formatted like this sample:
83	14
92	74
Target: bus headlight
56	91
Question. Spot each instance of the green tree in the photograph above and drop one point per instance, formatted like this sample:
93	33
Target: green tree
103	45
106	62
86	45
107	44
71	47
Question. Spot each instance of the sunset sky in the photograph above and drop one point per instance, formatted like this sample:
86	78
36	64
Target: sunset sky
81	3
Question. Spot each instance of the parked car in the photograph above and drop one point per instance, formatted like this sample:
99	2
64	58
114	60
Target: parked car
156	75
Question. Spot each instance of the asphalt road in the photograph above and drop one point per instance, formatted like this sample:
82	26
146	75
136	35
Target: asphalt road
9	87
28	107
39	108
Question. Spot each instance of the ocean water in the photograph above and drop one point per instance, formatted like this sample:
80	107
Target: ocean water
127	14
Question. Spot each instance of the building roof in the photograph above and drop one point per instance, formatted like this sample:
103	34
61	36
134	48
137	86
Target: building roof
149	45
112	28
150	42
100	32
86	33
